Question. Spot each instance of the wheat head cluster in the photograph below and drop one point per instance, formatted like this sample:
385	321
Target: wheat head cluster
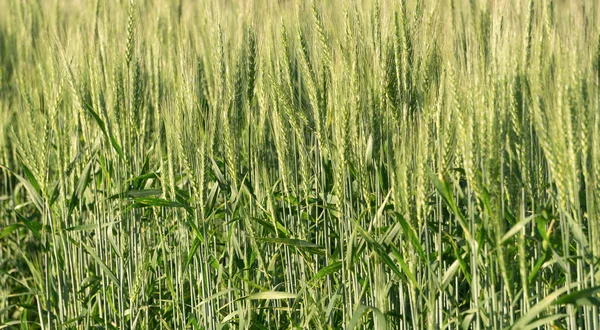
263	164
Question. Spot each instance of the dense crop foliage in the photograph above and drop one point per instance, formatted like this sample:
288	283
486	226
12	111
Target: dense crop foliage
178	164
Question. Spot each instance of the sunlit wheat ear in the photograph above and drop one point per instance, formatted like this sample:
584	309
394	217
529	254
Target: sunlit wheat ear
130	32
323	37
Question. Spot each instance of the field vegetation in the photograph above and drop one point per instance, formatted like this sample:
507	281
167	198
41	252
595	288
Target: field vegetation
262	164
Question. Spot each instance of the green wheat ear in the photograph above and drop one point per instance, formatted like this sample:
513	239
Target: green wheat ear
130	32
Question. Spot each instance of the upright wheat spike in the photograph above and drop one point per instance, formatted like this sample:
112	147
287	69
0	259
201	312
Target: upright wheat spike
130	32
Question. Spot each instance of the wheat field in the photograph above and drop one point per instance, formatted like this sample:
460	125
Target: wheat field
263	164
